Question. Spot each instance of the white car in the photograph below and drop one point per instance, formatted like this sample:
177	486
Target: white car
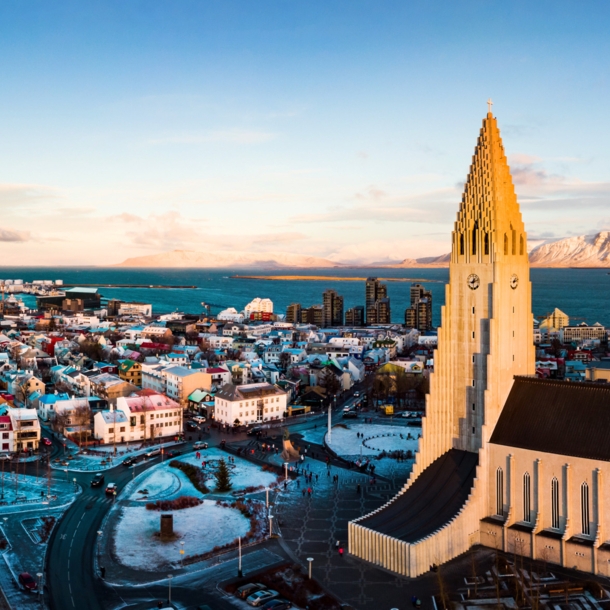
260	597
200	445
153	452
4	457
200	419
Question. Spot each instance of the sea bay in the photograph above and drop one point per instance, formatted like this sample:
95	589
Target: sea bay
581	293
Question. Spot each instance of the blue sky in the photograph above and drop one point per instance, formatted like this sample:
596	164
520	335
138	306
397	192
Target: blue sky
338	129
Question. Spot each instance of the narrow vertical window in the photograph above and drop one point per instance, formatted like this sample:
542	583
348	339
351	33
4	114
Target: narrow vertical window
499	492
584	508
527	502
521	247
486	243
514	242
555	503
461	243
505	243
474	238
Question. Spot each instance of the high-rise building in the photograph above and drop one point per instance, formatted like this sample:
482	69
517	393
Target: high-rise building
466	483
375	291
313	315
293	313
354	316
419	314
333	308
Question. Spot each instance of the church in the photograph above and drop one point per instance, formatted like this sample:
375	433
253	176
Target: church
506	460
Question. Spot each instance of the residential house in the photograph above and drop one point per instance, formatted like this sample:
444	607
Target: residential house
248	404
131	372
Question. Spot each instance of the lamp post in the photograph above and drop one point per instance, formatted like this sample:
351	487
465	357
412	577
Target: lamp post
182	552
39	584
99	535
310	561
267	497
74	481
239	572
285	471
67	477
270	525
169	598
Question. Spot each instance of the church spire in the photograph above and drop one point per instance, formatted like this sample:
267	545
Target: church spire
489	227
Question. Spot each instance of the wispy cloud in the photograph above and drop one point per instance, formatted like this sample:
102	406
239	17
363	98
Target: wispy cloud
14	236
24	194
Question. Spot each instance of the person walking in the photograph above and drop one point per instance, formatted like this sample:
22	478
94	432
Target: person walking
340	551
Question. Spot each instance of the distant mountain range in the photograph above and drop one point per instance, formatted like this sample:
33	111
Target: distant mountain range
581	251
225	260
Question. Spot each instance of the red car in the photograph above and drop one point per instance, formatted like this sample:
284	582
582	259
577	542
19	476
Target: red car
27	582
47	441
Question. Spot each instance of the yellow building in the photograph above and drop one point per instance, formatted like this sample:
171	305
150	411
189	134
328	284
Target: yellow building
556	320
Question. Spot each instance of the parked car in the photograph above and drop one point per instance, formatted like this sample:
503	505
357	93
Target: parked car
46	441
277	604
191	426
173	453
254	431
247	589
27	582
97	480
111	488
199	419
153	452
5	457
200	445
350	415
260	597
129	461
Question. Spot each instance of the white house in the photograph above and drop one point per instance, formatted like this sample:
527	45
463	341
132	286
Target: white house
249	404
26	428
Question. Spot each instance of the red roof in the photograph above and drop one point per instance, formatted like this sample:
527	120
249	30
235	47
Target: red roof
216	370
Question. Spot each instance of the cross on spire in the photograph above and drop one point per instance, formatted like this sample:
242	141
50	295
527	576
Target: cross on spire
489	105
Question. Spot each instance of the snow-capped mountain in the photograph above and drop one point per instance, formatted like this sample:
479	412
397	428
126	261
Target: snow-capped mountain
581	251
220	260
427	261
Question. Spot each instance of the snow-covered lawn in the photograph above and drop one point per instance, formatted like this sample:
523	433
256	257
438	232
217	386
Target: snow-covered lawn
373	439
101	458
26	490
243	473
201	528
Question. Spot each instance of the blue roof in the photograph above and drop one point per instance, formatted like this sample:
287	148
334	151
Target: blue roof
51	399
80	289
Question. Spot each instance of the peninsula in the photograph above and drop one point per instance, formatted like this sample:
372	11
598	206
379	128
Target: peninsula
325	278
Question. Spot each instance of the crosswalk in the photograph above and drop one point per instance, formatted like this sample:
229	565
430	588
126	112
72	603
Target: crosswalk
90	500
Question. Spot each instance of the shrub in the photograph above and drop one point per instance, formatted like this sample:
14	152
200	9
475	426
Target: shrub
176	504
46	528
194	474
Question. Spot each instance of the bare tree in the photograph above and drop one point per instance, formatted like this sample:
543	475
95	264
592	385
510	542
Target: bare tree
82	418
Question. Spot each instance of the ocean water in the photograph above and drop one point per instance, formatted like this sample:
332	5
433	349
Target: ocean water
584	294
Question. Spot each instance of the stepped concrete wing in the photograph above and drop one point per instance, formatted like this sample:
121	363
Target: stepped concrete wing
431	502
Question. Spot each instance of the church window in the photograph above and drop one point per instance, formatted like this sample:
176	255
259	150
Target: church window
473	310
473	334
474	238
521	245
527	502
486	243
584	508
499	492
473	359
461	243
514	240
555	503
473	406
473	430
505	244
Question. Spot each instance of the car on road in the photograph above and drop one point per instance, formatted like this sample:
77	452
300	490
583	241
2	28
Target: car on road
260	597
47	441
153	452
254	431
111	488
129	461
277	604
200	445
173	453
199	419
97	480
357	394
191	426
350	415
4	457
249	588
27	582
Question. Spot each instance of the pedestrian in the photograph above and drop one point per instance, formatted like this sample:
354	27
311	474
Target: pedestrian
340	551
337	544
358	489
303	492
285	485
298	483
328	473
309	491
316	478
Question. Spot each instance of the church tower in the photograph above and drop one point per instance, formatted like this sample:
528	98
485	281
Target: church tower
485	339
486	334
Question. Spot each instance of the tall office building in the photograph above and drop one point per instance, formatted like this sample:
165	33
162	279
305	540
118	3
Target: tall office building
419	314
376	312
313	315
293	313
332	304
354	316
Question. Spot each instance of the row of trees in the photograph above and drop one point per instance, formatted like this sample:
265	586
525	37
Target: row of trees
398	384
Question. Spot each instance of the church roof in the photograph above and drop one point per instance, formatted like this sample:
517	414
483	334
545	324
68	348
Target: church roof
560	417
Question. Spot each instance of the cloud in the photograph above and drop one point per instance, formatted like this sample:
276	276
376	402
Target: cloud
14	236
20	194
230	136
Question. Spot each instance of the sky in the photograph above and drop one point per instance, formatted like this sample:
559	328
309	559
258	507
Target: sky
339	129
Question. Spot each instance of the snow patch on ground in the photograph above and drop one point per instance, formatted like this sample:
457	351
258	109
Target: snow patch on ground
25	490
201	528
376	438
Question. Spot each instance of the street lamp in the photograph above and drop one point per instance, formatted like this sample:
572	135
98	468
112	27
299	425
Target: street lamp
239	572
74	481
169	599
99	535
39	583
67	477
270	525
285	471
310	561
267	497
182	551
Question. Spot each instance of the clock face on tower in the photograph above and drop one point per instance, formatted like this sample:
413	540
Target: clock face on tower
473	281
514	281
